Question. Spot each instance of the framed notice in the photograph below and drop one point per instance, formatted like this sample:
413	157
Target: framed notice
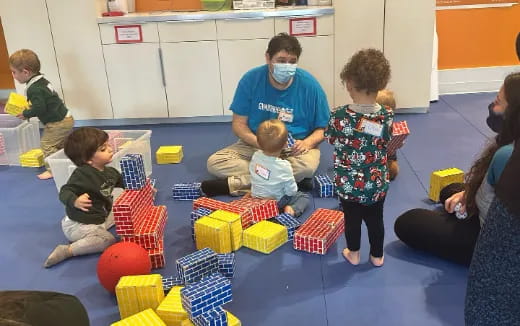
302	26
473	2
129	34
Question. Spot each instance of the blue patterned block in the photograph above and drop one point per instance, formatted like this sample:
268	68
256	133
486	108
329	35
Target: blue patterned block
215	317
195	215
290	140
169	282
186	191
207	294
324	186
195	266
290	223
132	169
226	264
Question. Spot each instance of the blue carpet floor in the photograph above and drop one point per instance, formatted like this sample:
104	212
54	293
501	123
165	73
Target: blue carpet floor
286	287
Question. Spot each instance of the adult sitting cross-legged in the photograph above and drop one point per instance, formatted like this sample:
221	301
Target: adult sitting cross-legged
276	90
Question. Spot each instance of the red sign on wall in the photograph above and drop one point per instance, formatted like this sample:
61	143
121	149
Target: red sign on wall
302	26
128	34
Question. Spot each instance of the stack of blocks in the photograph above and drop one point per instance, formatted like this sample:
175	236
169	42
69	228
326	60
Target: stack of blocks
441	178
265	236
235	226
16	104
253	210
186	191
170	310
138	292
399	133
197	265
290	223
132	168
136	218
169	154
324	186
32	158
145	318
208	294
214	234
226	264
320	231
195	215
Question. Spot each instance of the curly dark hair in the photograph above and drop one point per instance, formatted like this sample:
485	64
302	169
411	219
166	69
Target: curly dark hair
81	145
284	41
368	70
508	134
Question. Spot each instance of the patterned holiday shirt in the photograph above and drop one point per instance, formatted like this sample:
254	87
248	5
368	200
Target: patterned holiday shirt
360	141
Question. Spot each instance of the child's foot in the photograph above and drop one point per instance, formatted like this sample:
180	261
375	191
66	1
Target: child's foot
288	210
59	254
45	175
351	256
377	261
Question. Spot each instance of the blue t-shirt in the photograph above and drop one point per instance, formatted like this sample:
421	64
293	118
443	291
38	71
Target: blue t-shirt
499	163
257	99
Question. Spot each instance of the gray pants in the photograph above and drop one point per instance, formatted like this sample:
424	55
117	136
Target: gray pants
88	238
232	162
298	202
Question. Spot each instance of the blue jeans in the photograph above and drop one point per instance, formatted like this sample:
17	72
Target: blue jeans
298	202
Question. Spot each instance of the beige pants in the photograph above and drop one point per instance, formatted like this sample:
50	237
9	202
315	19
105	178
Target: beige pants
53	136
232	162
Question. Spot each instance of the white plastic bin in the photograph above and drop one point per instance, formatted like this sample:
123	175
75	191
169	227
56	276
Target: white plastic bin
138	143
19	136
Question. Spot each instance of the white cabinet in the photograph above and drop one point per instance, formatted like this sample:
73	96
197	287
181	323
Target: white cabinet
135	80
192	77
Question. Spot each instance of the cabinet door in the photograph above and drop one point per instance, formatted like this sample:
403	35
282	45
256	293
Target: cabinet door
318	59
236	58
192	78
135	80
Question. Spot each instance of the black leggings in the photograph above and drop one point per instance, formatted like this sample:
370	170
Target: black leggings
355	213
439	233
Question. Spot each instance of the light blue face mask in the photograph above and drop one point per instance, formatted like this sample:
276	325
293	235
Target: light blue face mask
283	72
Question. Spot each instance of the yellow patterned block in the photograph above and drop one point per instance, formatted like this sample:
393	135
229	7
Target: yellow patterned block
214	234
187	322
441	178
145	318
32	158
138	292
171	310
235	226
231	319
265	236
16	104
169	154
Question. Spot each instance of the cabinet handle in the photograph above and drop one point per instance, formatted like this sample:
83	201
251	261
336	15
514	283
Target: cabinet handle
184	21
162	67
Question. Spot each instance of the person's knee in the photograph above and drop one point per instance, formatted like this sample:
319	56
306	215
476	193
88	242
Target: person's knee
403	224
304	172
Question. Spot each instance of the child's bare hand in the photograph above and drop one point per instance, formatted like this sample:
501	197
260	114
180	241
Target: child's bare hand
83	202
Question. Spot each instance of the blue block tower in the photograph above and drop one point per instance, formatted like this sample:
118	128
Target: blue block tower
207	294
186	191
226	264
195	266
290	223
324	186
132	169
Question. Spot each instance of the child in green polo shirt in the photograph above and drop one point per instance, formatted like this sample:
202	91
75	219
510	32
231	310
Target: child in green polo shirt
44	103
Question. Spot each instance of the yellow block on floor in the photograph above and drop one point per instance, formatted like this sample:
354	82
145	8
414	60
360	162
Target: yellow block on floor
265	236
235	226
138	292
214	234
441	178
169	154
145	318
16	104
32	158
170	310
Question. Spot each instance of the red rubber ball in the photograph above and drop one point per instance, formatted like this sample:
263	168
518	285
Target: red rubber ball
122	259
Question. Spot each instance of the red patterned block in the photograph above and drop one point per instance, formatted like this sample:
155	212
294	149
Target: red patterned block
150	229
253	210
157	255
320	231
399	133
129	208
211	204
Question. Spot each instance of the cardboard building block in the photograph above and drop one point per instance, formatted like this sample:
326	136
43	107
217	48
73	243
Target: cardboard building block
226	264
169	154
214	234
207	294
171	281
320	231
214	317
16	104
400	132
324	185
138	292
235	226
186	191
441	178
290	223
265	236
197	265
195	215
32	158
253	210
145	318
290	140
129	208
211	204
157	255
132	170
170	310
232	320
150	228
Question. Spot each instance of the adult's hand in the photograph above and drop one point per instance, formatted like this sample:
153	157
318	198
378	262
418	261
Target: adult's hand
300	147
451	202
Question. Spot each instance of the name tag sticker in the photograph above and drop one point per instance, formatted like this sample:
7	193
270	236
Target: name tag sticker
262	172
370	127
285	116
